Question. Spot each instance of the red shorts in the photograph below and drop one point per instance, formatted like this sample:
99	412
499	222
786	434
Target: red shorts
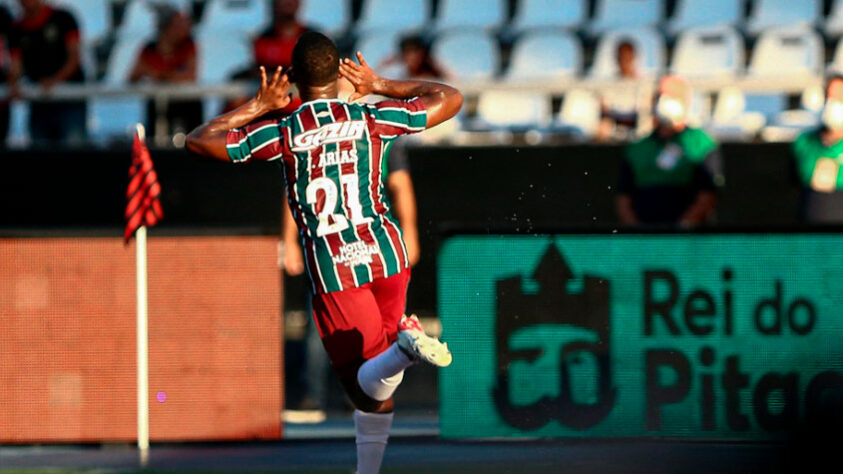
359	323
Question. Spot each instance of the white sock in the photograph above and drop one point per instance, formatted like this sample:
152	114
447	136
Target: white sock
380	376
372	433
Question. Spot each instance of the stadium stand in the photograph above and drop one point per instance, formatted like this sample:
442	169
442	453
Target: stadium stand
379	48
704	13
833	24
380	16
768	14
613	14
788	51
579	115
329	16
467	55
114	117
461	14
648	43
139	17
234	16
545	55
94	17
514	111
531	15
709	51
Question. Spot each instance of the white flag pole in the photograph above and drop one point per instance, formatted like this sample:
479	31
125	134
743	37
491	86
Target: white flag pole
142	339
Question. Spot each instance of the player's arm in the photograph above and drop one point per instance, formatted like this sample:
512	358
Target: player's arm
400	186
441	101
209	139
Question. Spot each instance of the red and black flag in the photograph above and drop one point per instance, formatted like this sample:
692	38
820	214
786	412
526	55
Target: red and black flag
143	207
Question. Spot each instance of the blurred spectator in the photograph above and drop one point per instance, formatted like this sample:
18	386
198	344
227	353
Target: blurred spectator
5	25
170	58
818	155
619	106
669	177
274	47
417	60
44	47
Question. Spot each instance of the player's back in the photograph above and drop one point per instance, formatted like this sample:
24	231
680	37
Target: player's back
334	163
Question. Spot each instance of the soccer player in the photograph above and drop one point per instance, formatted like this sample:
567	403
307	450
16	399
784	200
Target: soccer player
333	154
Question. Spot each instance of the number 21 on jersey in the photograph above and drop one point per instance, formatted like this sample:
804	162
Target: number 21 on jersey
329	222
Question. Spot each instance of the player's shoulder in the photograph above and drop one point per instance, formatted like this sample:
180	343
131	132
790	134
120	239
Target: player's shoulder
697	142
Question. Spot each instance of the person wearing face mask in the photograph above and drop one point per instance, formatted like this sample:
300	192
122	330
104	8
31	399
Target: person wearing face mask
670	177
818	155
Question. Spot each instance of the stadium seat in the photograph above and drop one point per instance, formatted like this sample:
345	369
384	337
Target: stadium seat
730	119
648	42
788	51
458	14
381	52
517	111
139	17
12	5
329	16
704	13
93	16
382	16
545	55
836	65
467	55
219	57
580	114
833	24
115	117
613	14
534	14
18	133
243	17
768	14
709	51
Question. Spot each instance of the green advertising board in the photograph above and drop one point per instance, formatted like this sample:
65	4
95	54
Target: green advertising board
734	336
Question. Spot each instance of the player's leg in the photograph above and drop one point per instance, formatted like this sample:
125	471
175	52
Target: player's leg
352	332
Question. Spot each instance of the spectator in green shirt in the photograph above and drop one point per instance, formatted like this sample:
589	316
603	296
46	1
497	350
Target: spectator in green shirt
818	155
669	177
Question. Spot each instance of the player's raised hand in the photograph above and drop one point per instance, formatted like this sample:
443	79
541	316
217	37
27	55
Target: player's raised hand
361	76
274	93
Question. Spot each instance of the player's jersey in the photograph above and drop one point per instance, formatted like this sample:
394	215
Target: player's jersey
334	159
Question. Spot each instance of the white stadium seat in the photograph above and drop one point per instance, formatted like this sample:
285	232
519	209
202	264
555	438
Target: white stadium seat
382	16
514	110
218	58
139	18
533	14
545	55
836	65
13	6
700	13
709	51
580	113
328	16
458	14
467	55
613	14
768	14
244	17
649	45
833	25
788	51
379	49
115	117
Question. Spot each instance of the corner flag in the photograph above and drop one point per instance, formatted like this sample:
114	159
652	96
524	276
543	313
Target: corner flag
143	207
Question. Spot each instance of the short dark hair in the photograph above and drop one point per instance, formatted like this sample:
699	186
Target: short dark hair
316	60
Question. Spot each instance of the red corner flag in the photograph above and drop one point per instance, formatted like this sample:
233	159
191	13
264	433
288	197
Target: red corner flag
142	204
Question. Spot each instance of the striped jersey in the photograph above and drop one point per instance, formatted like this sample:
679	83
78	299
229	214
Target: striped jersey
334	159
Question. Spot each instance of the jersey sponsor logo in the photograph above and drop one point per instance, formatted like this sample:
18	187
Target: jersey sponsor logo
329	133
355	253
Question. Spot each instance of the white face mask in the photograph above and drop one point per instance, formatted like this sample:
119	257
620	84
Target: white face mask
833	114
670	111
